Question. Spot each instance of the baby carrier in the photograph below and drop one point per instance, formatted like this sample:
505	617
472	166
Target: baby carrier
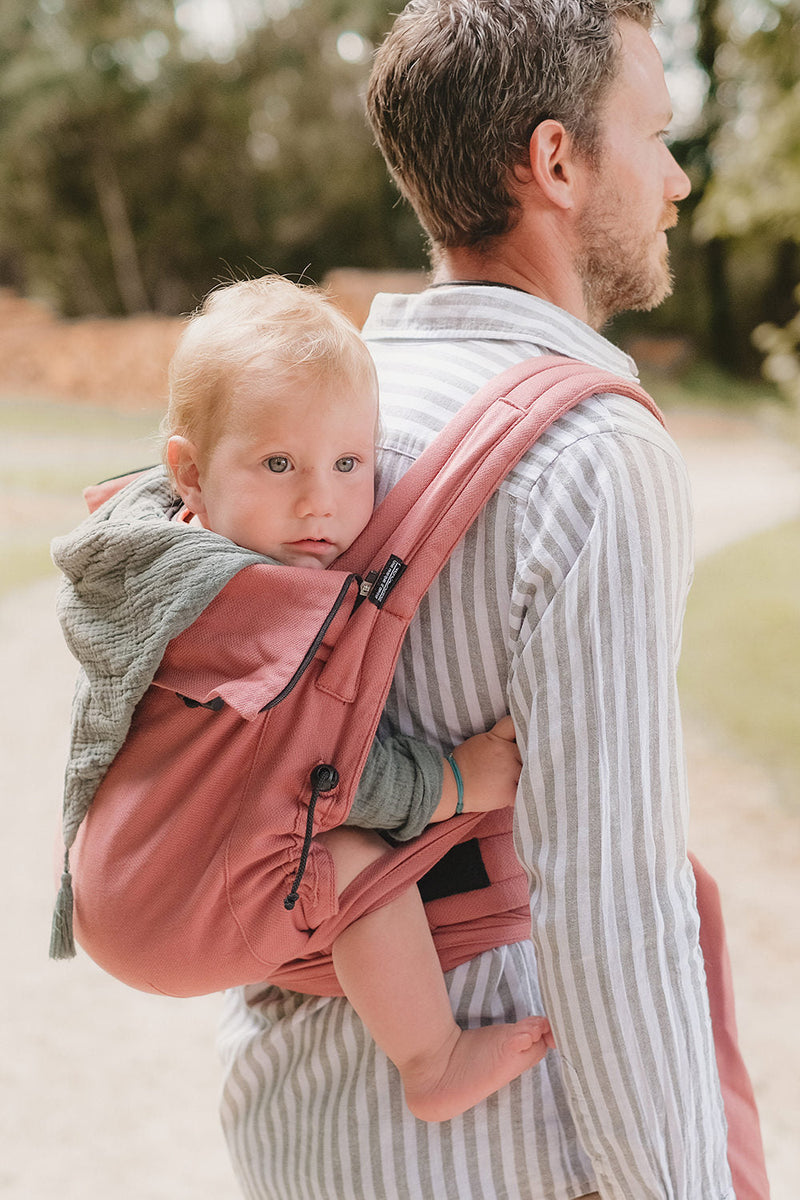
196	868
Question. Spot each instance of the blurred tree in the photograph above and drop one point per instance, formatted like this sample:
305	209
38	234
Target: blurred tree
752	198
73	86
781	349
141	158
756	152
712	30
138	164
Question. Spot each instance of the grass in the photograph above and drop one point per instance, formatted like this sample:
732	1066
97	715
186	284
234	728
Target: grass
24	565
73	420
740	667
48	453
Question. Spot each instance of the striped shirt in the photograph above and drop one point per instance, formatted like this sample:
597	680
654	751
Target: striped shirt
563	605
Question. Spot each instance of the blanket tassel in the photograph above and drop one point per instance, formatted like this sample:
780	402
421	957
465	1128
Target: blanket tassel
62	941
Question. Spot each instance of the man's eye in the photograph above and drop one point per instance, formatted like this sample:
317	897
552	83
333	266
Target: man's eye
345	464
277	464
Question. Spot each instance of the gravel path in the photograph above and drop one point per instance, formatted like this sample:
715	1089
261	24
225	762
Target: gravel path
107	1093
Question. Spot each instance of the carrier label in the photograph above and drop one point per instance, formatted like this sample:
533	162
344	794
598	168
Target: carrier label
386	580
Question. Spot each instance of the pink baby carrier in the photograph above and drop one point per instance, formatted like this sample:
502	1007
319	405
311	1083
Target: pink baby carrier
195	868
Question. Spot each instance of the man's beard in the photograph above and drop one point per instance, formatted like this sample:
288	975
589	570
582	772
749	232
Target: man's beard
619	269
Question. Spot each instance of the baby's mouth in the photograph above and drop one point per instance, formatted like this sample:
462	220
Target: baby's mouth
312	543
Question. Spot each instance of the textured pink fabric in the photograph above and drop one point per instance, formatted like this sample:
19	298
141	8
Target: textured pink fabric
745	1149
97	493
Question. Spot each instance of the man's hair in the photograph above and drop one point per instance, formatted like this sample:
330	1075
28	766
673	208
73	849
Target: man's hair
458	87
282	326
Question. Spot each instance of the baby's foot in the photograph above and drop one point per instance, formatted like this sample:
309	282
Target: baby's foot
472	1065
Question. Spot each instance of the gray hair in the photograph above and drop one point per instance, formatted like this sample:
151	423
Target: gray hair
459	86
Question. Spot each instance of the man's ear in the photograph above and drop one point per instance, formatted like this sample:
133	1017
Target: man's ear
551	164
183	460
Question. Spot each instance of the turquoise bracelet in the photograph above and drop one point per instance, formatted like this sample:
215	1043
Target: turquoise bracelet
459	786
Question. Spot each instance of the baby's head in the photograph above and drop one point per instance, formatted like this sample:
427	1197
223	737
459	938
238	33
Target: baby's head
270	431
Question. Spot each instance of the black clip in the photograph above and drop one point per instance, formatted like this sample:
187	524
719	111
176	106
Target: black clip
215	705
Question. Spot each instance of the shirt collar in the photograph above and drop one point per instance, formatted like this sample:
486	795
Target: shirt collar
493	313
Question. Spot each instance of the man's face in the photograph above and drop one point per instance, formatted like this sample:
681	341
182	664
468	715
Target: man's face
631	189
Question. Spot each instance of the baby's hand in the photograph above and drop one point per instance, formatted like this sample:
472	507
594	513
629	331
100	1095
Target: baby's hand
490	764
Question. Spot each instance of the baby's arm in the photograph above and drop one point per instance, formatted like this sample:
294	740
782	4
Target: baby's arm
400	787
406	784
489	764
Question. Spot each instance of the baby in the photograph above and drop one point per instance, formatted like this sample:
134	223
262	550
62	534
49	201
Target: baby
270	441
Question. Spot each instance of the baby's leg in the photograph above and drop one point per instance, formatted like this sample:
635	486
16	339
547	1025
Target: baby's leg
387	965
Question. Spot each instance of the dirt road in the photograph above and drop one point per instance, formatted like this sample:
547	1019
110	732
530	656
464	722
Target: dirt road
106	1093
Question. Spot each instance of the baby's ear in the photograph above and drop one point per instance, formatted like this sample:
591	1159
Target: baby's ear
183	460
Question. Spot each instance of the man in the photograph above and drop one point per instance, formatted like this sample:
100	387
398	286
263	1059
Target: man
529	137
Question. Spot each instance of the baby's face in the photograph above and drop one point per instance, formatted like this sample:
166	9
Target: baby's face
293	474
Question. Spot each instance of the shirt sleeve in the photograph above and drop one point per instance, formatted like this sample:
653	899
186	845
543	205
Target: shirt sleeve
399	789
600	591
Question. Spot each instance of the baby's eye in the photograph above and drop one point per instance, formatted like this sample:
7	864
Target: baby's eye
278	463
345	464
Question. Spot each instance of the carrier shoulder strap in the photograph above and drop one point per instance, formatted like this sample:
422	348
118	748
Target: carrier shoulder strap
429	510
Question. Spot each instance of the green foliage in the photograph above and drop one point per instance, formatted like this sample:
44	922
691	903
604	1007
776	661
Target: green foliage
135	169
138	165
74	94
752	197
756	179
49	454
703	384
781	349
755	153
740	264
741	647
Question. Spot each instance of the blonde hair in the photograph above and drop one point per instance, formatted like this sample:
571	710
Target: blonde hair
290	326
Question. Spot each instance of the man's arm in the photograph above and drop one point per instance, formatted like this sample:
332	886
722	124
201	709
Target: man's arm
601	824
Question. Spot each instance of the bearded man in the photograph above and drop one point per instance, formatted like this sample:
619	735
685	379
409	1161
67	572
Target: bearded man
529	137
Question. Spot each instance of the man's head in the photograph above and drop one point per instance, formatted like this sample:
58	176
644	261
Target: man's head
459	86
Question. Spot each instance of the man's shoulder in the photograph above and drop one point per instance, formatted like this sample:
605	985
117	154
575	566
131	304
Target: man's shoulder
592	440
434	351
587	436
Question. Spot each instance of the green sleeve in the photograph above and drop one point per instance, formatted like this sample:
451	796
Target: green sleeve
400	788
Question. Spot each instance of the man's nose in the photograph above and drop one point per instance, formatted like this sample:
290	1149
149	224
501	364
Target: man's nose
677	184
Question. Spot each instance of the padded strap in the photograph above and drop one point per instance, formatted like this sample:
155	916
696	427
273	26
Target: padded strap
429	510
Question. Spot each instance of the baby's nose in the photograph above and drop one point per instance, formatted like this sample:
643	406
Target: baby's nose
315	498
